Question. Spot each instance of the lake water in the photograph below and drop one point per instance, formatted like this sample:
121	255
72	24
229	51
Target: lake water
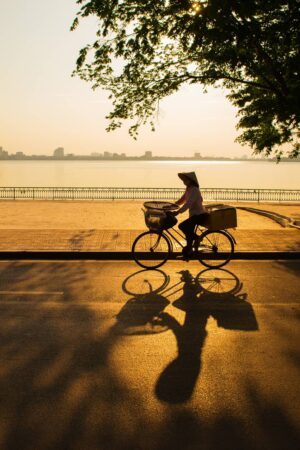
211	174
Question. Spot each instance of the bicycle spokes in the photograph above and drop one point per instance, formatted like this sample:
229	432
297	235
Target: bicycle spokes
156	244
216	248
151	249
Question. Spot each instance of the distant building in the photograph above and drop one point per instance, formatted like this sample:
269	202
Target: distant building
107	155
20	155
148	155
3	154
59	152
197	155
97	155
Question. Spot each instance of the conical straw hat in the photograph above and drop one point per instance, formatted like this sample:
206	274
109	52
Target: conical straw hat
190	175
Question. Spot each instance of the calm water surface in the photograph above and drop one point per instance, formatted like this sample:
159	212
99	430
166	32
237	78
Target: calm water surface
217	174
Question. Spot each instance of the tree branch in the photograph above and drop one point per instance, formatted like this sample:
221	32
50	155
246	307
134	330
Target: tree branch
235	79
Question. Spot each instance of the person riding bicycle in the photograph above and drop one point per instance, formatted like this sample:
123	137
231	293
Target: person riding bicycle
191	200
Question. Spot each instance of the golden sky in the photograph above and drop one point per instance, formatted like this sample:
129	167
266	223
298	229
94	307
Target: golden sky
42	107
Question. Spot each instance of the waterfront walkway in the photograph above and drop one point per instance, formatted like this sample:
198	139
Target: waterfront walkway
286	240
112	227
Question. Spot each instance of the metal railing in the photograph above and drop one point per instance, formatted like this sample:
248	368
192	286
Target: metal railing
112	193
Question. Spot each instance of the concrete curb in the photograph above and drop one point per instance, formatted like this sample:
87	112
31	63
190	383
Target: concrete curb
284	221
119	256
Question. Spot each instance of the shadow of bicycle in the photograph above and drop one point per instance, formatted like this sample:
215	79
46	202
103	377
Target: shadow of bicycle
213	293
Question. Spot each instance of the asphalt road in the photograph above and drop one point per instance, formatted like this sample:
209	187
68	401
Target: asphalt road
101	355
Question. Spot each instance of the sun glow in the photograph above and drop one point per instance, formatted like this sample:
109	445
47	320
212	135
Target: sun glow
196	7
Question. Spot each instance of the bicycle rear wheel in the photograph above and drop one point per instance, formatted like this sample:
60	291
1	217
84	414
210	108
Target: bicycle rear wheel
151	250
216	249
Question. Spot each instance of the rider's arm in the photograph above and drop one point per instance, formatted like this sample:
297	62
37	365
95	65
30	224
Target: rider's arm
181	200
189	200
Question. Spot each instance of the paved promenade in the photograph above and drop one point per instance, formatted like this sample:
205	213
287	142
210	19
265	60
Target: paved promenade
286	240
103	356
111	215
112	227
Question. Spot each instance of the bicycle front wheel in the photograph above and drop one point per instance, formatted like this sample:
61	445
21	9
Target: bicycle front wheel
151	250
218	281
216	249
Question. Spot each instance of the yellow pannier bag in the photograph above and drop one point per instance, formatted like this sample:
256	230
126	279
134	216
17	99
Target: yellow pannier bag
221	218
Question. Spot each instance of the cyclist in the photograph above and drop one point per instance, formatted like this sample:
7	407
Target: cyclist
191	200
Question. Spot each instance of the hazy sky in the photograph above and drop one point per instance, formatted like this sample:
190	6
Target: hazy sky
42	107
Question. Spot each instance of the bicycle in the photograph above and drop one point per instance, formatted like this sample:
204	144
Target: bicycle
153	248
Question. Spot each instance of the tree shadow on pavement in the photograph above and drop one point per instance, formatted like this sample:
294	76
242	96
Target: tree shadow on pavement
291	266
267	427
61	390
58	387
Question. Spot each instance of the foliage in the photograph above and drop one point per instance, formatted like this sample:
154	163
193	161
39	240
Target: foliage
146	50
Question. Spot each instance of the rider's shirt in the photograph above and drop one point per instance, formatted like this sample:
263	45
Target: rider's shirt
193	201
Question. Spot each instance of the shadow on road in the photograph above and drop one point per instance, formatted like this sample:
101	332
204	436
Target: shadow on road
61	390
212	293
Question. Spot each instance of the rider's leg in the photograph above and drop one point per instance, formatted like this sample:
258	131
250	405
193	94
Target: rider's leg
200	219
188	227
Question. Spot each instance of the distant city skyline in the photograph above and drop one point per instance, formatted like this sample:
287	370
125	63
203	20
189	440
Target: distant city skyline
60	154
42	106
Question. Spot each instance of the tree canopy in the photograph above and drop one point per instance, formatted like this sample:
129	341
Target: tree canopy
145	50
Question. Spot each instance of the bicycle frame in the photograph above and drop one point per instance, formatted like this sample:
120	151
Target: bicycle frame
171	237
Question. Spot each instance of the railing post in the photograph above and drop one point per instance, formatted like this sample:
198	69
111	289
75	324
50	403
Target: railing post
14	193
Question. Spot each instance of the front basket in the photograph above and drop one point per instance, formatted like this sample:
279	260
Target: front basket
158	220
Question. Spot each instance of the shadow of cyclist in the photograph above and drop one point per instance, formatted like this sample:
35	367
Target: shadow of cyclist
201	297
177	382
